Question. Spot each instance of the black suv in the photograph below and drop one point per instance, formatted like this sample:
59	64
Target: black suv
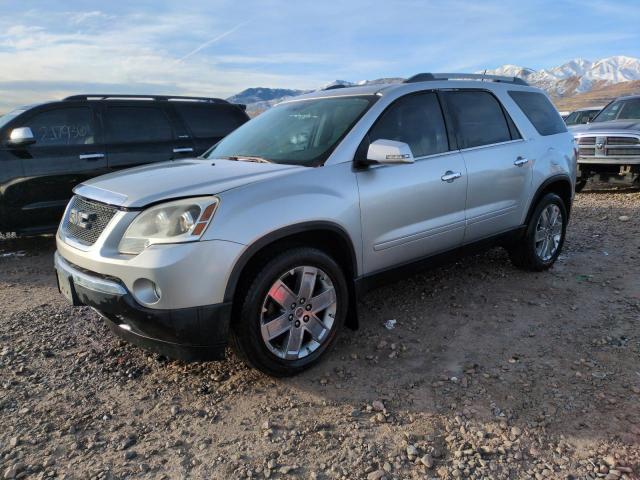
47	149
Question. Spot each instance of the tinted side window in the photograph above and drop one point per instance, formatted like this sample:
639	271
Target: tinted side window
209	120
137	124
540	112
415	120
478	118
63	126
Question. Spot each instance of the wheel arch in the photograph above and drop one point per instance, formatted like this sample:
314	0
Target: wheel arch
326	236
560	185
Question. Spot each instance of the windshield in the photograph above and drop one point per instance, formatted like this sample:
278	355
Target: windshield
580	117
628	109
7	117
297	133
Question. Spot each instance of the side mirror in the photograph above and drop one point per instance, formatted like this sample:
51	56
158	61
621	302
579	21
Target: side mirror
21	137
389	152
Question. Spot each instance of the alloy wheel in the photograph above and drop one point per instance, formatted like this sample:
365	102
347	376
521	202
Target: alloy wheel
298	312
548	232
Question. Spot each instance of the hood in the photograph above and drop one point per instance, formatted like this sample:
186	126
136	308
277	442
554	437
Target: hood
140	186
611	126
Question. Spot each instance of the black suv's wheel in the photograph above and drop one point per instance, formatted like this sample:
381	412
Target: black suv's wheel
543	240
291	312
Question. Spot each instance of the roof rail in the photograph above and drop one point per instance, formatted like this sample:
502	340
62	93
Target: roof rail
426	77
116	96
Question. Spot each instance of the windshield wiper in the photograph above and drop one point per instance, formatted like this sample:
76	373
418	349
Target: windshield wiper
245	158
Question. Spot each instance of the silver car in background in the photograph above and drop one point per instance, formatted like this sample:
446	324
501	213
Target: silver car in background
582	115
269	239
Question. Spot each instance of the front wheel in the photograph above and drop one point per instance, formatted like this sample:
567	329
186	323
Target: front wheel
291	312
544	237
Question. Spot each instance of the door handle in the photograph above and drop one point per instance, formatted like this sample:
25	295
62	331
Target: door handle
91	156
450	176
520	161
183	150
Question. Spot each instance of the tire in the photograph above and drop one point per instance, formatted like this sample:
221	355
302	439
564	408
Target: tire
530	253
292	317
580	184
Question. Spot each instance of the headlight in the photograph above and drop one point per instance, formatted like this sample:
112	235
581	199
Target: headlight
171	222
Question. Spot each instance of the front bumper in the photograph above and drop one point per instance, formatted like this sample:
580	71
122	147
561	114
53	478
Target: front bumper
196	333
609	160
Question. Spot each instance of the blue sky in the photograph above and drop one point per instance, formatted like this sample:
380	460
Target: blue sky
52	48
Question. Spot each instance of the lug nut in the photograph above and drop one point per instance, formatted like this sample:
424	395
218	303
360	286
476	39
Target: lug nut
290	317
293	306
297	324
302	300
308	307
306	318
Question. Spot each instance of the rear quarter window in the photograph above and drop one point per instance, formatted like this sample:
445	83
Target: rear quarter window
210	121
540	112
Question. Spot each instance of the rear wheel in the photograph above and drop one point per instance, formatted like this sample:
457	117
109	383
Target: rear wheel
291	312
544	237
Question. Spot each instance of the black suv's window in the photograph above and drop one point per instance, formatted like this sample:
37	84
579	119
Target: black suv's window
63	126
137	124
540	112
7	117
416	120
206	121
479	119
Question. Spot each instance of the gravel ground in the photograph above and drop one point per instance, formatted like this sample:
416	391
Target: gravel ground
490	372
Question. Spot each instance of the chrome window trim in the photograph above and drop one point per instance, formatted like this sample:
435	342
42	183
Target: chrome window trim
416	159
489	145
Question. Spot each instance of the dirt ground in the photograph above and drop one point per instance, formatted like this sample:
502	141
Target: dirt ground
490	372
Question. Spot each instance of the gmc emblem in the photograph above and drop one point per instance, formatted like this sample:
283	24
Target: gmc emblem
82	219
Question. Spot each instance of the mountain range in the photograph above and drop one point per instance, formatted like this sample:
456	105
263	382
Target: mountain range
572	78
576	76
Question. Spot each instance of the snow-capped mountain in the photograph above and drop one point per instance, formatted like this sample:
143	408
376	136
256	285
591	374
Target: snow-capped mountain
576	76
254	95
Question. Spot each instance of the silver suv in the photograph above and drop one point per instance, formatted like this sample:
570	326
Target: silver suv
269	238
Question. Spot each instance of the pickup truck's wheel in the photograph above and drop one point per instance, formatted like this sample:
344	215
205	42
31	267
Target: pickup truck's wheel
291	313
543	240
580	184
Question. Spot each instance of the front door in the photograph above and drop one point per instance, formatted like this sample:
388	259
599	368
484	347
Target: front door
68	150
414	210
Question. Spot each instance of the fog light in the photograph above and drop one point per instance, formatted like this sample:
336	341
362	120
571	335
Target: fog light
146	291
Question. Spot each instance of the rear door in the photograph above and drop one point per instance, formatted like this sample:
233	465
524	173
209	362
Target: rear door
497	162
138	134
208	123
413	210
69	149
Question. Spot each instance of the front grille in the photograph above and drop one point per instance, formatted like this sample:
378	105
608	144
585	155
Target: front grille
85	220
609	146
622	141
622	152
587	152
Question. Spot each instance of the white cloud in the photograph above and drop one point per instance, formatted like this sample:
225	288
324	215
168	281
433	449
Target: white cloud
128	54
